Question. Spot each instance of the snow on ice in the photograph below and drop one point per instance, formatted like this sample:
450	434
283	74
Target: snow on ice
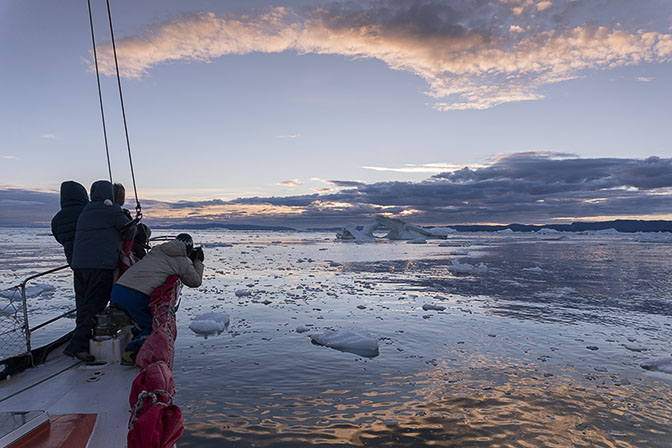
662	364
466	268
348	341
209	323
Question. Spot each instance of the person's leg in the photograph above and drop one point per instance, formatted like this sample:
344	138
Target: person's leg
136	304
97	284
79	341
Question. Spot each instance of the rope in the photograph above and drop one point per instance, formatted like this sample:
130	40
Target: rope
139	404
138	208
100	93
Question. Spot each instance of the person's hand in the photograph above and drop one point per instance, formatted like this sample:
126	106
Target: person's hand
197	254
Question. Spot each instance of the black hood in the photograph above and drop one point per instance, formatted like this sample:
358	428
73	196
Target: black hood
73	193
102	190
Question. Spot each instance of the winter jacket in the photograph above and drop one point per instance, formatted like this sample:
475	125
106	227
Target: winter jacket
160	263
98	236
73	200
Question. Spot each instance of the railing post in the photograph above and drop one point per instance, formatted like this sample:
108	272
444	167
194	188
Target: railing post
26	326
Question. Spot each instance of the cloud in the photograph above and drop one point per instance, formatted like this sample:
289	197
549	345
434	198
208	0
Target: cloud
420	168
48	136
527	187
8	157
645	78
290	136
472	54
346	183
292	183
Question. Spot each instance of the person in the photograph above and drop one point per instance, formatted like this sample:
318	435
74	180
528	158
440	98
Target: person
134	288
143	233
95	256
63	225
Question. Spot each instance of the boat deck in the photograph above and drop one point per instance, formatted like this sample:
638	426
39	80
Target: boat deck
66	386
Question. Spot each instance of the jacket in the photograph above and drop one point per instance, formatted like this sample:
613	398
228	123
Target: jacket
160	263
98	236
63	225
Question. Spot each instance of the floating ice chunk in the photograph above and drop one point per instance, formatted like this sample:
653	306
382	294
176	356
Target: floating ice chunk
507	230
534	269
31	291
466	268
431	306
662	364
348	341
301	329
209	323
546	231
459	252
420	240
243	293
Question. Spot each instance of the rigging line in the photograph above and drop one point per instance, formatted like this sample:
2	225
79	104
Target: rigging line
138	209
100	93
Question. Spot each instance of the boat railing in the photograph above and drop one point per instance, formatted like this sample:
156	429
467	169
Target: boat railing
15	330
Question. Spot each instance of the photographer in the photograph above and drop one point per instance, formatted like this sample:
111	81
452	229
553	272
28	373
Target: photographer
135	286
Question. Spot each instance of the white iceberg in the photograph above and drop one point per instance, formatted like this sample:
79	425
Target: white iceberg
397	230
348	341
662	364
209	323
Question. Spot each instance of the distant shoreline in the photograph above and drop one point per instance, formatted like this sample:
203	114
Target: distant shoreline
621	225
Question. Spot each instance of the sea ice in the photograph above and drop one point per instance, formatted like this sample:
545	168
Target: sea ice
420	240
534	269
430	306
466	268
301	329
243	293
348	341
662	364
209	323
31	291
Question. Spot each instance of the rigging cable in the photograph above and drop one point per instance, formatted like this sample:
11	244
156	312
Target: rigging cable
100	94
138	209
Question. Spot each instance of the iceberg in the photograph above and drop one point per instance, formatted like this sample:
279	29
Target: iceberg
431	306
209	323
466	268
348	341
397	230
31	291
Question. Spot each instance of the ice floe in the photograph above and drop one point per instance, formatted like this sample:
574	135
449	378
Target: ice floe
209	323
243	293
465	268
350	341
31	291
431	306
662	364
397	230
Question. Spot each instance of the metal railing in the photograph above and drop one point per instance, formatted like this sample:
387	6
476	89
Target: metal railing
15	330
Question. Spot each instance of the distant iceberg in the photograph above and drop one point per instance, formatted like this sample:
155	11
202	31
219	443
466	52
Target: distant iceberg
662	364
397	230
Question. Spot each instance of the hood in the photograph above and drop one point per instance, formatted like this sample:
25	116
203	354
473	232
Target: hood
174	248
102	190
73	193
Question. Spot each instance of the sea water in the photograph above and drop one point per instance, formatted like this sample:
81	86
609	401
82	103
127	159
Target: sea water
484	339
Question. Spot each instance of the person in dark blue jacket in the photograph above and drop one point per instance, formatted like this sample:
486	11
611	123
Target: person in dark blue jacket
73	200
95	257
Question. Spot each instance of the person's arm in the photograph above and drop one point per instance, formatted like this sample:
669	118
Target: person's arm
55	233
191	274
124	224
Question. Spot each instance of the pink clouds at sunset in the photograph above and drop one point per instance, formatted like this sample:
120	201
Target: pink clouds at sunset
466	62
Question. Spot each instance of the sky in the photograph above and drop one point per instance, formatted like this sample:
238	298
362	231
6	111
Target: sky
312	113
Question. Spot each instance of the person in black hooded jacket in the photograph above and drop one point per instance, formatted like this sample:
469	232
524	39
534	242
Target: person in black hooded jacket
95	256
64	224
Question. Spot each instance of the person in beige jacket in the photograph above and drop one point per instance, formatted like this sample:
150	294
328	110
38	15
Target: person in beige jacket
134	288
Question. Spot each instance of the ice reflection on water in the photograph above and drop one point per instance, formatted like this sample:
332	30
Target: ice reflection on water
542	350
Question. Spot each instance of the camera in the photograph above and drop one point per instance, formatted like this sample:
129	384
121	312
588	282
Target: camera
197	253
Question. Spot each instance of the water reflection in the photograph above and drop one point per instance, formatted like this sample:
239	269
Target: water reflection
506	404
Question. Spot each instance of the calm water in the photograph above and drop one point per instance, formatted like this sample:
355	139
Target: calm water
543	349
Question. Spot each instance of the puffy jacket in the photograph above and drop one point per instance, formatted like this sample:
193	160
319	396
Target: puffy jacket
98	236
63	225
160	263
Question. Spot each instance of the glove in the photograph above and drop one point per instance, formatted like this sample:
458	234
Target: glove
198	254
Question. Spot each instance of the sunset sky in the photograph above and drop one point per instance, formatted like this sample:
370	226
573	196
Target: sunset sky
310	113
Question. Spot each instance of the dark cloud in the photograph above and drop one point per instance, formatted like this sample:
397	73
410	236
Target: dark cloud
533	187
346	183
